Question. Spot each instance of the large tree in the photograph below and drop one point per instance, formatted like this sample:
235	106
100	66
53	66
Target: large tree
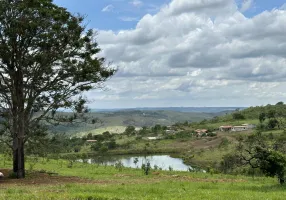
47	60
263	153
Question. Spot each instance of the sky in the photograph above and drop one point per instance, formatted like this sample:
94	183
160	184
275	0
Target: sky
184	53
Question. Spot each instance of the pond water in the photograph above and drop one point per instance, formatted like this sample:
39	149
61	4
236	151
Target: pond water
161	161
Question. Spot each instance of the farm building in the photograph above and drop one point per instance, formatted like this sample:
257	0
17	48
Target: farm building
243	127
249	126
201	131
91	141
153	138
225	128
238	128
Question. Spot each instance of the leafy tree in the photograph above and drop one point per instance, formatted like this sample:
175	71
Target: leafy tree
106	135
280	103
112	144
272	123
256	152
157	128
47	60
262	117
271	163
238	116
143	131
229	163
271	114
89	136
130	130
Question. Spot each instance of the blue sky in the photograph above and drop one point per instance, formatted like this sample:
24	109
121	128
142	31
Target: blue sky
188	52
123	14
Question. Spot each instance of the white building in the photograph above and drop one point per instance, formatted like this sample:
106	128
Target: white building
239	128
249	126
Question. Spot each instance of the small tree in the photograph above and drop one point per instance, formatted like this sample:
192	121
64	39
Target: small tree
262	117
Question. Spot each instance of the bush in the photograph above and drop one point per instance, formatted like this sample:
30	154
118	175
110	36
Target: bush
146	168
119	165
224	143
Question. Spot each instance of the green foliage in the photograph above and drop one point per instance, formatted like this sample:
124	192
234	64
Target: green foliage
258	152
130	130
111	144
271	113
224	143
238	116
272	123
146	168
262	117
119	166
229	163
272	163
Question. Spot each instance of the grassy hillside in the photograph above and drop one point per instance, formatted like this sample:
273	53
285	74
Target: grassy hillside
110	120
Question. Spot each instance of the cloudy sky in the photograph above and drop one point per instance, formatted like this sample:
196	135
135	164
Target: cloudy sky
189	52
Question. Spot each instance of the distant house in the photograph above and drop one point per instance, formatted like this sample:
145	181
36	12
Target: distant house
170	131
201	131
249	126
239	128
243	127
225	128
91	141
153	138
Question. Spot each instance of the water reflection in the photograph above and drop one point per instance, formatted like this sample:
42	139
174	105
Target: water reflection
164	162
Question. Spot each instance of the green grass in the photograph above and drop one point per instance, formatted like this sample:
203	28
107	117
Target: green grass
110	183
111	129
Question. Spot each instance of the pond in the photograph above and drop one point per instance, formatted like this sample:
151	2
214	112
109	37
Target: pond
164	162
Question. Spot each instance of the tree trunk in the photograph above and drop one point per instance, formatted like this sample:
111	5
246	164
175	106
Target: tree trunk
18	157
18	126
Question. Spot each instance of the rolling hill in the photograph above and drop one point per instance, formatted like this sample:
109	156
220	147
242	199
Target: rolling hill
137	118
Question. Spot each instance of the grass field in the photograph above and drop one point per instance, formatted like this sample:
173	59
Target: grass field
84	181
111	129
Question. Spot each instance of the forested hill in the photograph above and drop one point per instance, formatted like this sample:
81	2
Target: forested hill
176	109
255	113
135	118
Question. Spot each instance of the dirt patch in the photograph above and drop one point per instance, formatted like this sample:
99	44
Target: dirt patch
206	143
43	178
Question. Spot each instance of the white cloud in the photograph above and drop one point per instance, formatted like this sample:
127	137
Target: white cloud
108	8
246	5
200	53
128	19
136	3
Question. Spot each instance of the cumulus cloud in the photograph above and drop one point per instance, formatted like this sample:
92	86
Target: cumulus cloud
108	8
199	52
246	5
